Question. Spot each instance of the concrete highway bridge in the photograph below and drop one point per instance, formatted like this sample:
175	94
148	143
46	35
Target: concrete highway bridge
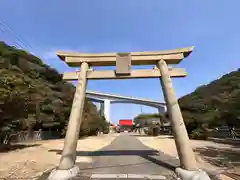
106	100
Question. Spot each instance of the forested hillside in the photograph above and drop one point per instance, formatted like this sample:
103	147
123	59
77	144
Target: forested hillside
33	95
212	105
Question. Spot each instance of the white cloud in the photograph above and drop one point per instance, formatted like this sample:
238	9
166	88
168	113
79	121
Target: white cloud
50	58
51	53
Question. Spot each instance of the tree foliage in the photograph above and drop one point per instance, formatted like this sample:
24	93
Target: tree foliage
213	105
33	95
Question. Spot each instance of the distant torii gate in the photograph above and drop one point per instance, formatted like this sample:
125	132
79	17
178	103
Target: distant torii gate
123	62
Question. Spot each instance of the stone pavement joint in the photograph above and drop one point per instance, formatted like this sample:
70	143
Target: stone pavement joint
128	176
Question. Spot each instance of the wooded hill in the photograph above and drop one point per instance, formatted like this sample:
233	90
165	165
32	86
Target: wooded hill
33	95
212	105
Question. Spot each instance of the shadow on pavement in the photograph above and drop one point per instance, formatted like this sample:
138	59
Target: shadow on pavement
167	165
112	166
150	155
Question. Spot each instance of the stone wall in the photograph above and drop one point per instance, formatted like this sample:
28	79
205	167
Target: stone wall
23	136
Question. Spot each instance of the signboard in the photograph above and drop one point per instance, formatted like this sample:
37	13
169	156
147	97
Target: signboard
125	122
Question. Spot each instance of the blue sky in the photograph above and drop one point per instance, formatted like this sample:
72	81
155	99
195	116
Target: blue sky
130	25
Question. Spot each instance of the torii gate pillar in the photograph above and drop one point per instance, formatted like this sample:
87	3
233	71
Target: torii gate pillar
185	152
68	158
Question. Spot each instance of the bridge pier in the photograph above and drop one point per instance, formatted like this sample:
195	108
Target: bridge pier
160	111
107	104
185	152
102	108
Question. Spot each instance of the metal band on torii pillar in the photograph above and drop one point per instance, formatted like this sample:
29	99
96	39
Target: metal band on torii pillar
185	152
68	157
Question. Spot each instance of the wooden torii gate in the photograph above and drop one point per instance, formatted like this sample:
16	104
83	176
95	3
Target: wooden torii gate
123	62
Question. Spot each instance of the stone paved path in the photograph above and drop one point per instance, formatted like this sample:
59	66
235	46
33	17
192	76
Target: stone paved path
127	158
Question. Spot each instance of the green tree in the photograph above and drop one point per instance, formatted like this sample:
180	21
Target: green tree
33	96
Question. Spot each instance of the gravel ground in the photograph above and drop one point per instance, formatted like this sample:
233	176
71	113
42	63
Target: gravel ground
205	151
27	163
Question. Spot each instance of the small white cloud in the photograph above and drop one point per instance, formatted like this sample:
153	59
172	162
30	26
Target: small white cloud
50	58
51	54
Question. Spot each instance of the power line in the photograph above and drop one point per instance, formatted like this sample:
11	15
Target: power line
23	43
4	28
17	37
1	29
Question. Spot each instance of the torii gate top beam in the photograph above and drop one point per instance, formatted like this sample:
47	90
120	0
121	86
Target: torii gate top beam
137	58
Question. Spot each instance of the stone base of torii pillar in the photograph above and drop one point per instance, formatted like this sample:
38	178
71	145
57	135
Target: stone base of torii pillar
62	174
